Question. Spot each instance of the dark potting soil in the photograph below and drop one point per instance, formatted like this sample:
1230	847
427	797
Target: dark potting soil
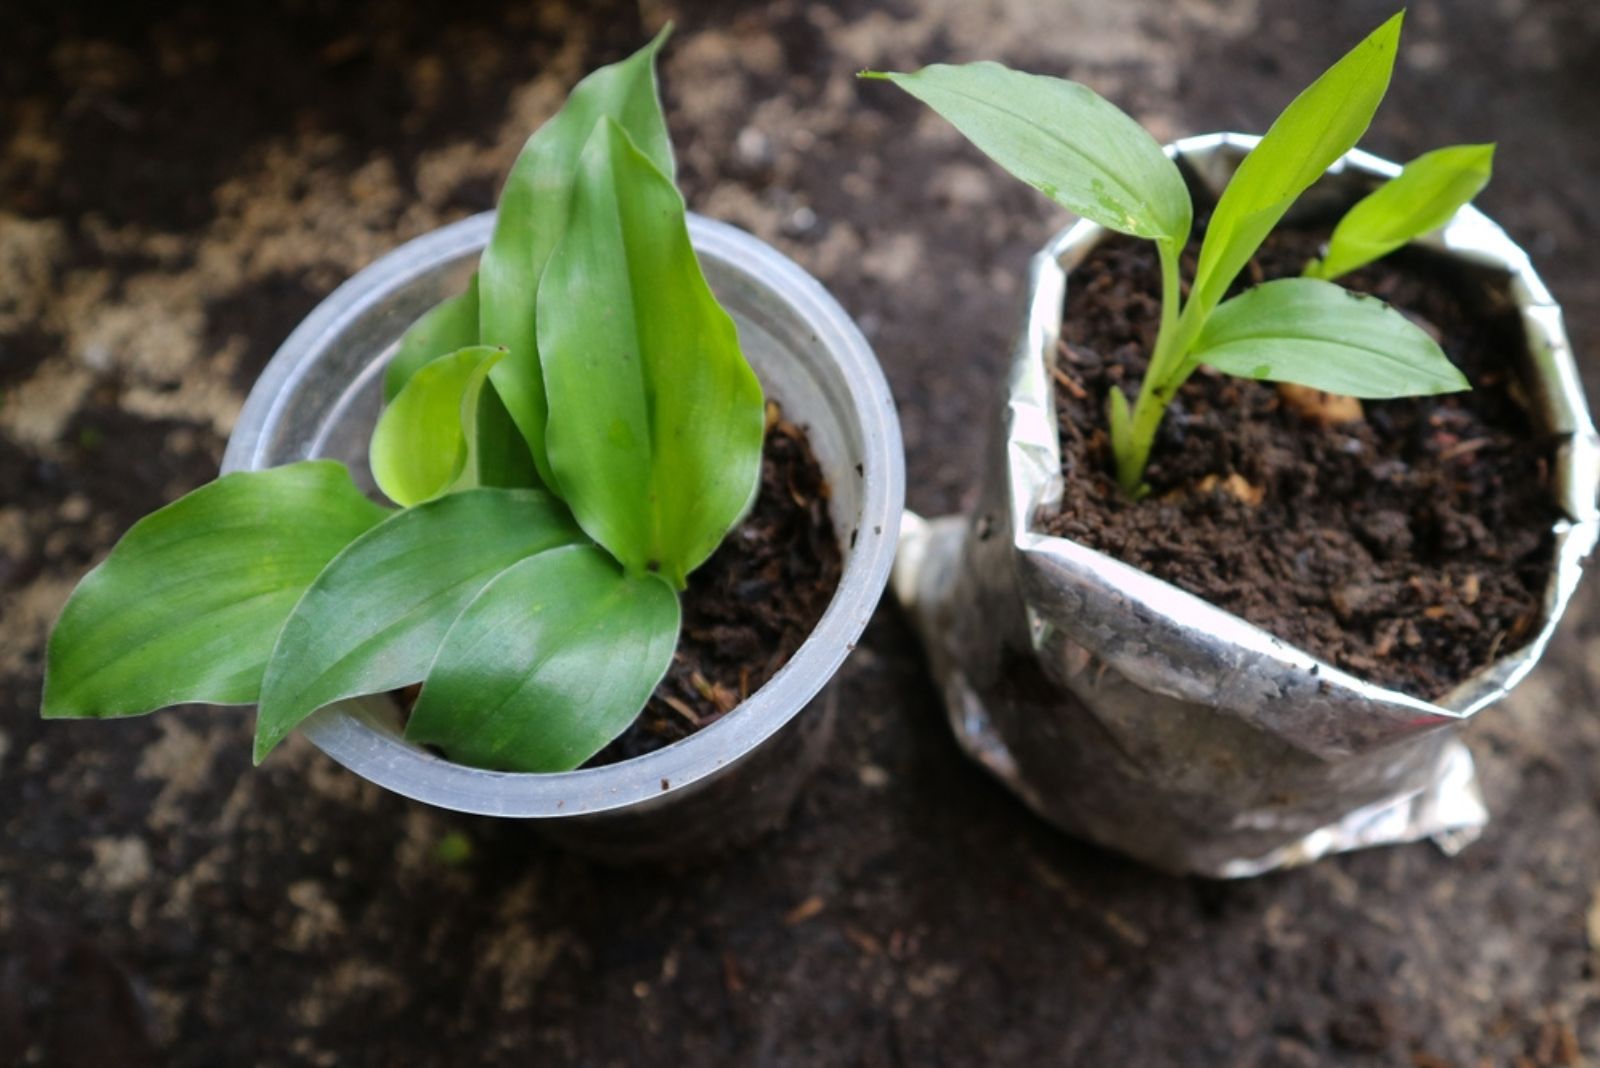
751	605
1409	547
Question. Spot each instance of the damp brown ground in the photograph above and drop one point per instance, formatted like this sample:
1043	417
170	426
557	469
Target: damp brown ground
751	605
291	914
1410	547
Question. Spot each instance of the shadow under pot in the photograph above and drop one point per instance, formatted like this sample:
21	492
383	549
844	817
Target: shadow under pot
1205	712
736	776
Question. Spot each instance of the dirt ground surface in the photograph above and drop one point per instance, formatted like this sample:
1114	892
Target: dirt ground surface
180	183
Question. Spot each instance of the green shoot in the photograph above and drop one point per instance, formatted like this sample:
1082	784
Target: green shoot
567	440
1081	151
1424	196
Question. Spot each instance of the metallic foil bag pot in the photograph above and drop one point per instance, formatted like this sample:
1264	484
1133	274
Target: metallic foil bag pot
1134	714
320	396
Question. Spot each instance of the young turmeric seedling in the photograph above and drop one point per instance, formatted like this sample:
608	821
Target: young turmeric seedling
566	441
1086	154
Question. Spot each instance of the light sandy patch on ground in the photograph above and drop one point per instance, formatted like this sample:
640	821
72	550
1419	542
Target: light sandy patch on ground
348	979
28	615
35	412
181	761
29	252
119	863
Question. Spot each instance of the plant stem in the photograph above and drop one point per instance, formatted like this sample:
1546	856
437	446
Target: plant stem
1156	390
1170	291
1147	413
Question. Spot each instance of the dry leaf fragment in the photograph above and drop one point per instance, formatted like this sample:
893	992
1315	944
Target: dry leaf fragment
804	911
1326	409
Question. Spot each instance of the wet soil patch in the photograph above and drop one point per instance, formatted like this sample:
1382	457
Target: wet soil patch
940	889
258	317
124	91
748	608
1410	547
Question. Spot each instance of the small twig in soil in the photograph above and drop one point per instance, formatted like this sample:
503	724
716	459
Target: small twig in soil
725	699
732	977
1068	383
1388	634
866	943
1465	448
681	709
804	911
1071	353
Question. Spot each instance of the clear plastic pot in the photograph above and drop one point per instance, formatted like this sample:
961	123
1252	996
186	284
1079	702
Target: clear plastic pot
319	397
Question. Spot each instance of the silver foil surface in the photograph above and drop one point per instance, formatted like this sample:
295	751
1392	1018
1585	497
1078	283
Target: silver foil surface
1131	713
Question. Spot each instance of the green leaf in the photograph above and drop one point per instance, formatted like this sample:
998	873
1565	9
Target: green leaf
1118	420
187	605
447	327
656	419
374	618
532	214
1320	125
1065	140
426	440
1314	333
552	661
1421	198
501	455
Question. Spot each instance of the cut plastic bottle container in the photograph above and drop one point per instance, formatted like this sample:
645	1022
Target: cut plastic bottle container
320	396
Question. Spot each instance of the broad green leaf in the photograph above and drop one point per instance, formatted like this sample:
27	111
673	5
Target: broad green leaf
1421	198
426	439
1320	125
375	616
532	214
656	419
1314	333
501	456
187	605
448	326
551	661
1065	140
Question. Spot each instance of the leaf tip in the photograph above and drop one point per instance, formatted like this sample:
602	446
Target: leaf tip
1386	38
265	742
51	708
58	698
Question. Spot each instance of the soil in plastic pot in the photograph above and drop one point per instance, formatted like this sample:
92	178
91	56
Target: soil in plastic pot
1409	545
749	607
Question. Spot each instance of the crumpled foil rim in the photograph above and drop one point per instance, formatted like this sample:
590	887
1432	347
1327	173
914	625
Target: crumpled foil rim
1559	406
1209	656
